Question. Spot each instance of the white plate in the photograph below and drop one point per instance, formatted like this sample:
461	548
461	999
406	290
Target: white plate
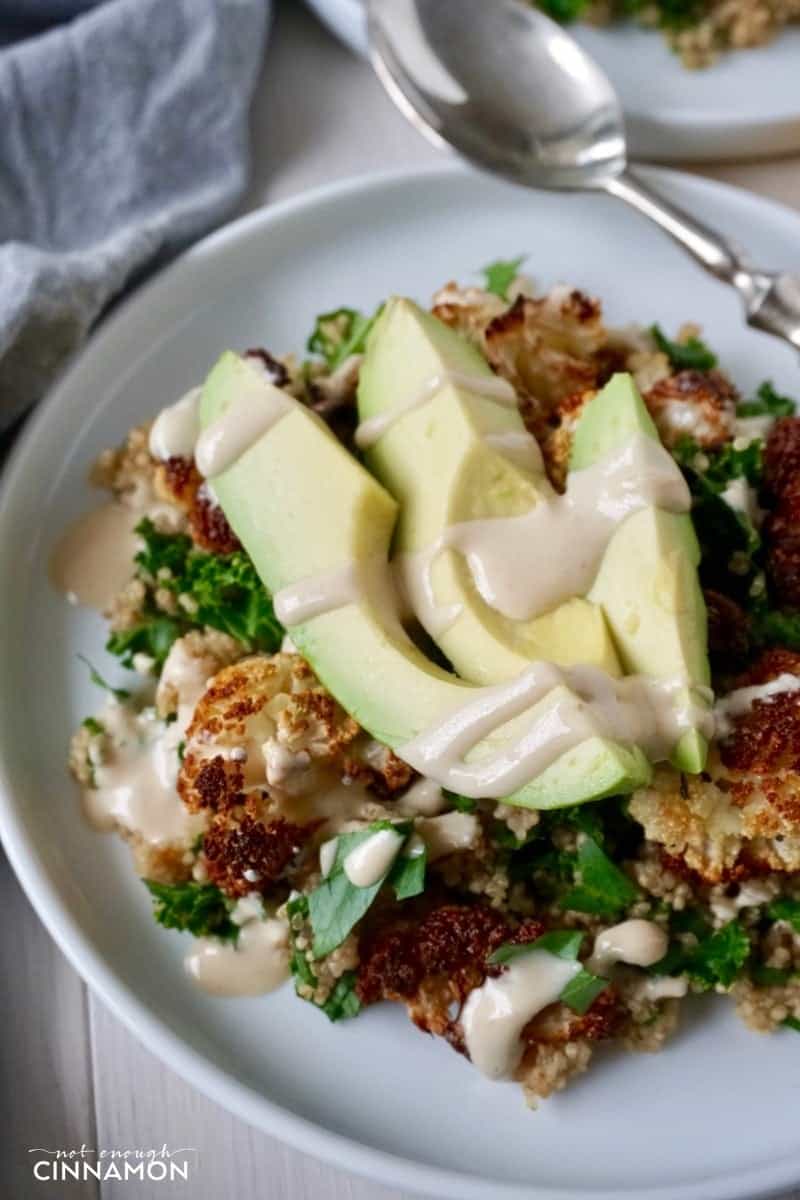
747	105
716	1114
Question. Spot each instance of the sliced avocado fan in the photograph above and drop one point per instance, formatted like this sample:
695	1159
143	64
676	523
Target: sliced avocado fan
462	457
302	505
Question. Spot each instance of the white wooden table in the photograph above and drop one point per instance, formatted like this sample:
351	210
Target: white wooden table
69	1072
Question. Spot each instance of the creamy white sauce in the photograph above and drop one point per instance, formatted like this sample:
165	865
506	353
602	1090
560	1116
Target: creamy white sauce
742	498
496	1013
751	893
650	713
174	432
490	386
424	798
637	942
737	703
751	429
663	987
519	446
135	780
369	861
327	856
246	420
256	964
512	558
317	594
448	834
93	560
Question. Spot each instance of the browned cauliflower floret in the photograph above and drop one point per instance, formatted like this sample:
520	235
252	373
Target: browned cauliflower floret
696	404
469	310
742	816
262	723
190	664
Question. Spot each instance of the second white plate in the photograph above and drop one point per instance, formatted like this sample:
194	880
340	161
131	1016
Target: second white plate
746	106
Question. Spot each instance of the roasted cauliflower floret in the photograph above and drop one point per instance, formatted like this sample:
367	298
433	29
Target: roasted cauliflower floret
262	724
742	816
469	310
696	404
191	662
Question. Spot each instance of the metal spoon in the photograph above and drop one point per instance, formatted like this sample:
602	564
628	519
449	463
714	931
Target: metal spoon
507	88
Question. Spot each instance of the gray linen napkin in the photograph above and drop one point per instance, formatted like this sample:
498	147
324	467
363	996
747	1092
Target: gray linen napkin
123	136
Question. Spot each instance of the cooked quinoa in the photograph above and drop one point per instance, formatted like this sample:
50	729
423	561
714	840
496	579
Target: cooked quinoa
268	768
698	31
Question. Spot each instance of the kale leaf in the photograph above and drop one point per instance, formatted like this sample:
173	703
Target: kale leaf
501	274
689	355
713	958
219	590
197	908
767	403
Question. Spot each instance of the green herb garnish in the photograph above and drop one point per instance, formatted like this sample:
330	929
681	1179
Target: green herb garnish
338	334
501	274
791	1023
337	905
583	989
93	725
197	908
785	910
602	887
689	355
461	803
97	679
767	403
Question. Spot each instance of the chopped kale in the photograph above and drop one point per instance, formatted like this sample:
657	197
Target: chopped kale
601	886
713	958
338	334
196	908
769	976
689	355
219	590
767	403
582	991
501	274
785	910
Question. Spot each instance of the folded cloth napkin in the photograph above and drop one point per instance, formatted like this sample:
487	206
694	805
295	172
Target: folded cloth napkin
123	136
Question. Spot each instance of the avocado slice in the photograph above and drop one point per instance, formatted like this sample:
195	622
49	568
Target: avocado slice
647	584
462	457
301	506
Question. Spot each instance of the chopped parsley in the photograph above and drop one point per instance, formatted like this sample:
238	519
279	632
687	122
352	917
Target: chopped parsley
338	334
219	590
693	354
791	1023
767	403
196	908
501	274
601	887
564	11
771	627
769	976
712	958
337	905
583	989
343	1002
93	725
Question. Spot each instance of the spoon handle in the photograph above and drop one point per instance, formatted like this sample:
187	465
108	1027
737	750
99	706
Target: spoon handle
771	301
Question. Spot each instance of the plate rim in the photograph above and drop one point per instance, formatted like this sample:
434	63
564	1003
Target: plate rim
156	1034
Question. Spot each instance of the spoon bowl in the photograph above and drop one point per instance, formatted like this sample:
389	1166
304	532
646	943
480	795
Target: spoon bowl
502	84
512	92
